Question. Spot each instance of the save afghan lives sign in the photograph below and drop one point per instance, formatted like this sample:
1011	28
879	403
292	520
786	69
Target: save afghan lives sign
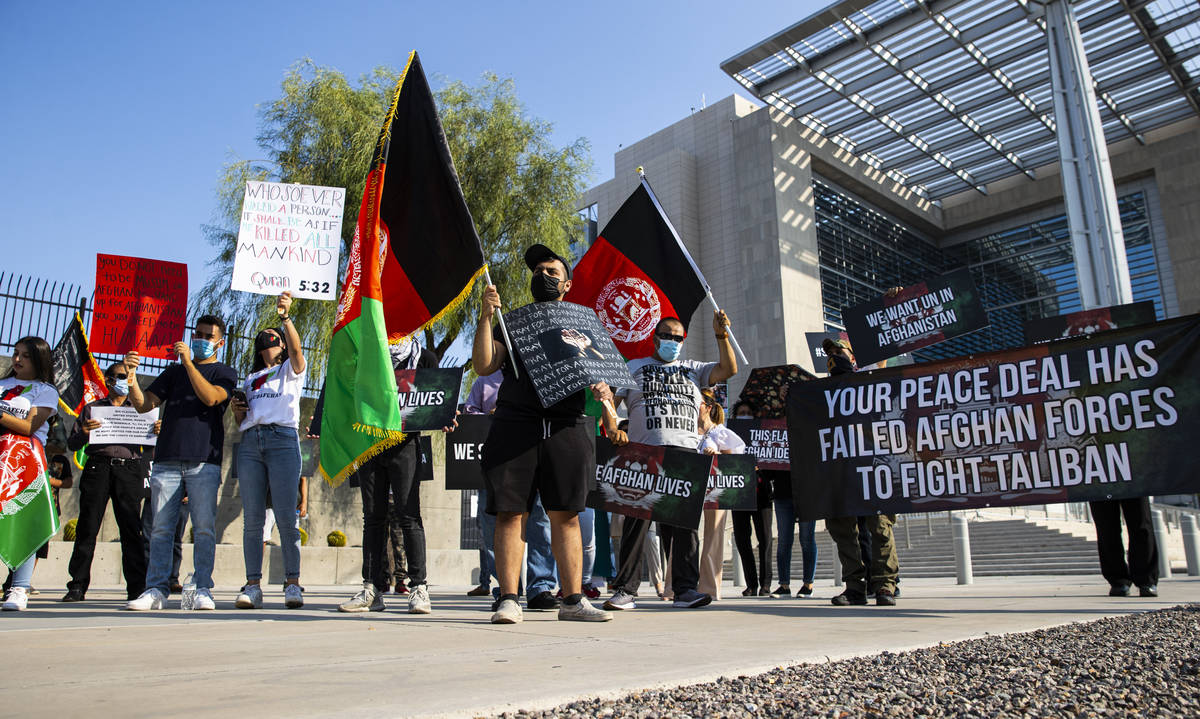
1109	416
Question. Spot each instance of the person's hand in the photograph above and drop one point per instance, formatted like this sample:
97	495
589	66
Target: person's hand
157	426
710	450
489	303
601	392
132	361
90	424
893	291
313	436
720	322
618	438
284	305
454	423
183	351
303	508
239	404
184	500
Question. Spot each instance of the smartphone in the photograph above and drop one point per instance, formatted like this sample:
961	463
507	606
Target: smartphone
239	395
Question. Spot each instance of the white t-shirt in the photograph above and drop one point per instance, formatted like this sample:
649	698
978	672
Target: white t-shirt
665	410
18	396
274	396
722	439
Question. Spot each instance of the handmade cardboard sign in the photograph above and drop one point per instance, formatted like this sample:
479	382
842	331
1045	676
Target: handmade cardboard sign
289	239
140	305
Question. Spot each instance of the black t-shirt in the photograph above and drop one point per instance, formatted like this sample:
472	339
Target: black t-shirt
517	399
191	431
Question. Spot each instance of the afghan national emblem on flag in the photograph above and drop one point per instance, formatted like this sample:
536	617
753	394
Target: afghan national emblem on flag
27	516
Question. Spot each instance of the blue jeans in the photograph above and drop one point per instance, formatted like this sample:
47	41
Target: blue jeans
587	534
487	547
269	458
22	576
167	483
785	517
540	575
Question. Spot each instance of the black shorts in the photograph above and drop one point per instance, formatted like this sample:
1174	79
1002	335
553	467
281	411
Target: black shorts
524	459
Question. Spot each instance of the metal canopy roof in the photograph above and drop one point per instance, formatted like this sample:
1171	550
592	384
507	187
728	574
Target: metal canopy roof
949	95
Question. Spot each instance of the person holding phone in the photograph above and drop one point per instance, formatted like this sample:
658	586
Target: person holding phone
267	409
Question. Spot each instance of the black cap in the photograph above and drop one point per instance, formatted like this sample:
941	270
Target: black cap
537	254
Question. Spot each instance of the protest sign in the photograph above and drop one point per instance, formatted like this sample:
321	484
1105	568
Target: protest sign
428	397
140	305
920	315
766	439
123	425
662	484
564	348
1107	416
1047	329
816	341
765	388
289	239
732	483
464	448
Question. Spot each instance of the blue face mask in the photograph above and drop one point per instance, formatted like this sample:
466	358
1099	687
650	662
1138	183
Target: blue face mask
120	387
669	350
202	349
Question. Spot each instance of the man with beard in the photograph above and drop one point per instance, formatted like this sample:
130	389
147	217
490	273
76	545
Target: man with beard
533	451
665	412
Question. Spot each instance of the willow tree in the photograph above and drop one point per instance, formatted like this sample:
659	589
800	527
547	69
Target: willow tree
519	186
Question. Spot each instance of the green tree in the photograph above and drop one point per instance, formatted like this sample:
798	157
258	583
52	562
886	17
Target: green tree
519	186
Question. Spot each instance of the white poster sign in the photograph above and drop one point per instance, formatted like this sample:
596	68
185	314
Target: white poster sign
123	425
289	240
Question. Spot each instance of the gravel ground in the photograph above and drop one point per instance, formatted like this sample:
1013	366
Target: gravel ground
1137	665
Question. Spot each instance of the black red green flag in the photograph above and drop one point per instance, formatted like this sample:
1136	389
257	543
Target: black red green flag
635	274
77	377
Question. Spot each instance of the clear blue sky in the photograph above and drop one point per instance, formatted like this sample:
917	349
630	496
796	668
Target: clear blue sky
116	118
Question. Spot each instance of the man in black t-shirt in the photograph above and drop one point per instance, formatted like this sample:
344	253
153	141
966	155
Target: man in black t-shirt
533	450
193	395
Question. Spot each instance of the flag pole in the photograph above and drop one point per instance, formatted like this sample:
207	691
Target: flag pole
487	277
699	275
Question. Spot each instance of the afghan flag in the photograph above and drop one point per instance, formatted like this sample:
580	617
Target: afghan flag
415	256
77	377
27	516
636	273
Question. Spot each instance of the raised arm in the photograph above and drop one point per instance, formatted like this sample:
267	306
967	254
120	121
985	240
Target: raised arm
295	351
487	355
208	393
727	366
141	401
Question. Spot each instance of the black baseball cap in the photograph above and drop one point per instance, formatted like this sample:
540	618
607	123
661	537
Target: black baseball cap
540	253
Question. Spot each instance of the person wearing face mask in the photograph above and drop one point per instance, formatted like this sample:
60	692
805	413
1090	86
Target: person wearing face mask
268	414
193	394
534	452
665	411
116	473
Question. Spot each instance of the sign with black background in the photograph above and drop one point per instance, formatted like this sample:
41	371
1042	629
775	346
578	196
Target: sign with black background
662	484
464	447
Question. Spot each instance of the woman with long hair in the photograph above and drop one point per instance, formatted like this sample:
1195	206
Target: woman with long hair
715	438
268	412
27	400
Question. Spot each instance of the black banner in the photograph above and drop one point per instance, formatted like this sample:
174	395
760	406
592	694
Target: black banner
1108	416
564	348
732	483
766	439
428	397
663	484
921	315
1087	322
464	447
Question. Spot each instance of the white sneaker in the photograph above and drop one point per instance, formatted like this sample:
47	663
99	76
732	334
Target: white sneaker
367	600
293	596
250	598
620	600
508	612
204	600
16	601
418	600
582	612
149	599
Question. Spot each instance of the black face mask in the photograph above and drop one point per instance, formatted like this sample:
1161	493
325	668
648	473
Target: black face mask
544	288
840	364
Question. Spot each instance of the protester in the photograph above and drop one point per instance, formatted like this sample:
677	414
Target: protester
1142	567
664	412
112	472
394	569
267	410
715	438
28	400
482	400
884	564
193	395
535	452
394	470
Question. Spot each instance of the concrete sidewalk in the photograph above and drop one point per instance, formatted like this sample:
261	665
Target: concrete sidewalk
89	659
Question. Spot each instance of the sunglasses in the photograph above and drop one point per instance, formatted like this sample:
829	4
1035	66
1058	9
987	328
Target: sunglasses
119	376
666	336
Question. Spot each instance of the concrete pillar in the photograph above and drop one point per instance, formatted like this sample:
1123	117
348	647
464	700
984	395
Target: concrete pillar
1160	538
962	550
1191	544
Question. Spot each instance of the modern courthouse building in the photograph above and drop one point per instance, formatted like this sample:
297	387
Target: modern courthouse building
894	140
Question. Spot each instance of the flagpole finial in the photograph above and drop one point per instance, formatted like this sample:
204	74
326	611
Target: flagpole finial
641	171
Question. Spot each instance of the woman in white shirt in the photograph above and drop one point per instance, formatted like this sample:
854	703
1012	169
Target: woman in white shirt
28	400
715	438
268	410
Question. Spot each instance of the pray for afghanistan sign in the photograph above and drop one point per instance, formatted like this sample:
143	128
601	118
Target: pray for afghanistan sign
662	484
732	483
428	397
564	348
1109	416
289	239
920	315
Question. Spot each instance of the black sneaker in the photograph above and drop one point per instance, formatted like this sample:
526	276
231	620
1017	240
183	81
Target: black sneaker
1149	590
74	595
804	592
541	602
750	592
1119	590
884	598
782	590
847	599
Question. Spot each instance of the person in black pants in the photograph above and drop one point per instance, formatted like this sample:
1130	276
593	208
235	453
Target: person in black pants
758	582
116	473
1142	568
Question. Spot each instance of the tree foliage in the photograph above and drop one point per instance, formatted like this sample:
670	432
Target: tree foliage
520	188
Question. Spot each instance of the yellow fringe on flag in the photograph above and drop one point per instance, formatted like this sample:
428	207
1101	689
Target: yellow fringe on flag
454	305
